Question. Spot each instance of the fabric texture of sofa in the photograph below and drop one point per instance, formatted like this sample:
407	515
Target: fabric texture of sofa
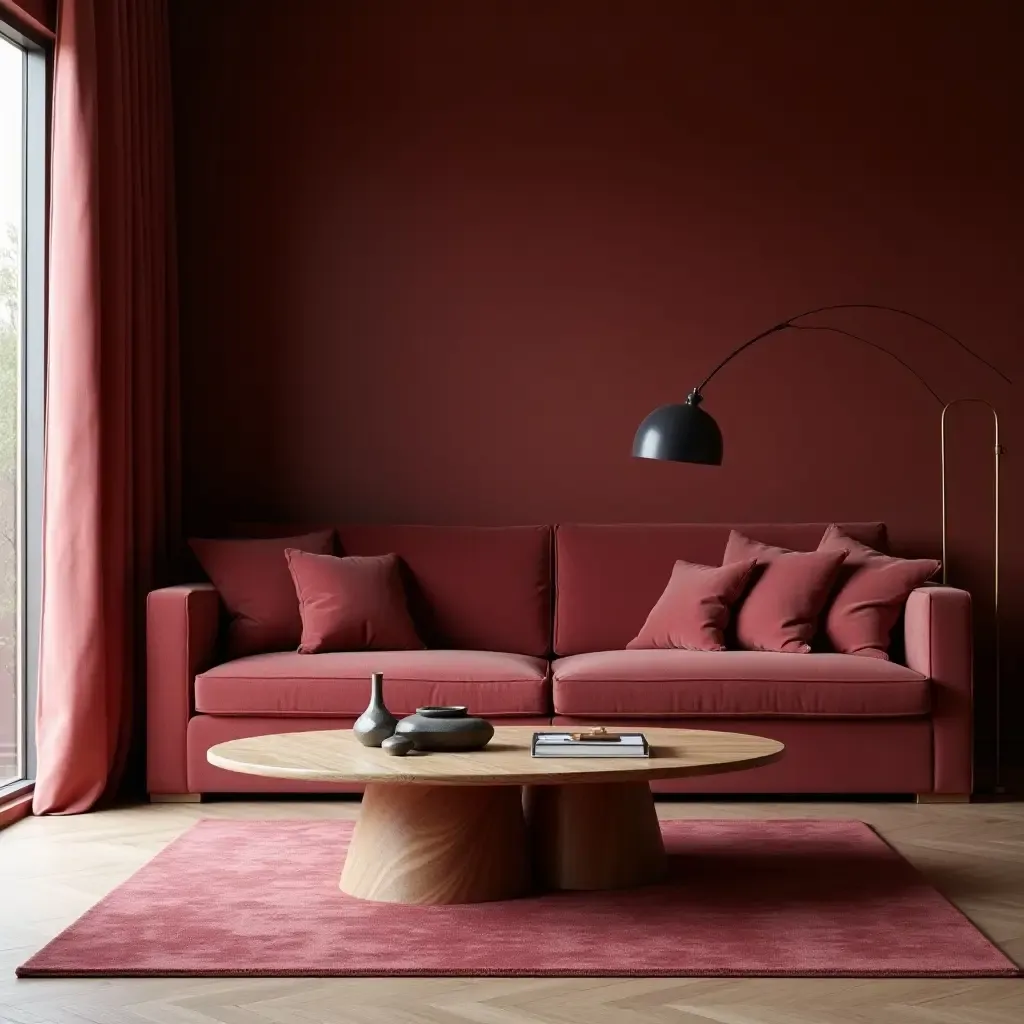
529	625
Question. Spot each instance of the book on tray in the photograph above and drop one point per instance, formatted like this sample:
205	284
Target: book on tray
593	743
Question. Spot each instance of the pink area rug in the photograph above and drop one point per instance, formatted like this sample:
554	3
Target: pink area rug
745	898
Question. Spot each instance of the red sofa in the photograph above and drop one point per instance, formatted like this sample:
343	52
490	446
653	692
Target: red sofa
527	625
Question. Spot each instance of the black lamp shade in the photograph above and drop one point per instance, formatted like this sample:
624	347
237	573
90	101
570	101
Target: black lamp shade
680	433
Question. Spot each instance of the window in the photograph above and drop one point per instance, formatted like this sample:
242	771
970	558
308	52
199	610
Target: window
22	237
12	162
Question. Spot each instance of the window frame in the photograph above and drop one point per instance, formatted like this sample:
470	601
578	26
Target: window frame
37	81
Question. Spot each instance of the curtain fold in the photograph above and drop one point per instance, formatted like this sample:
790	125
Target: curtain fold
111	492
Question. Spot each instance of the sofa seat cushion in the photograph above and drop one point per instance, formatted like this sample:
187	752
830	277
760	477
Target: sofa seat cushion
489	683
667	684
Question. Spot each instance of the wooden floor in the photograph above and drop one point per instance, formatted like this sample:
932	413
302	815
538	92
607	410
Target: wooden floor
52	869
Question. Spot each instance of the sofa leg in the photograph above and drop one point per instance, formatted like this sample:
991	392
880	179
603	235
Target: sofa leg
175	798
943	798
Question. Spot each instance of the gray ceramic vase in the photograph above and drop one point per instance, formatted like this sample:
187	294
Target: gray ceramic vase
445	728
376	723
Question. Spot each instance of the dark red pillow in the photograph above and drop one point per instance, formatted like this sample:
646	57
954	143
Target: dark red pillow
256	588
789	590
351	604
872	590
693	611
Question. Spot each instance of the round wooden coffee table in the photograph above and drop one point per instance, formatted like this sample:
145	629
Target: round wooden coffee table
494	824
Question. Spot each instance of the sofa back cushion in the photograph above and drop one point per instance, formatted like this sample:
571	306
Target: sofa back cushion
256	588
608	578
471	588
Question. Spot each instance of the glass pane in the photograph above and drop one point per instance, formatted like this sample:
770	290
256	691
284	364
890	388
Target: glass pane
12	697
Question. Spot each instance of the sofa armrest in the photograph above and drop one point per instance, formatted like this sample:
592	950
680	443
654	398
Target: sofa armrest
181	640
938	636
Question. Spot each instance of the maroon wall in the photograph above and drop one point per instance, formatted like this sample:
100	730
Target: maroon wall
30	14
439	259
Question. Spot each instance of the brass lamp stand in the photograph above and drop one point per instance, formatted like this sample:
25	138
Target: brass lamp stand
998	449
684	432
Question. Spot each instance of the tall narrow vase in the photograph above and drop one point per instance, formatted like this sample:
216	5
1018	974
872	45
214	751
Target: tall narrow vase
376	723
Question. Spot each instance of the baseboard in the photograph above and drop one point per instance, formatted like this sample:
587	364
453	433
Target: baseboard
943	798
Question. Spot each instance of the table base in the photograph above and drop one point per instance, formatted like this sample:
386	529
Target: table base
438	845
594	836
474	844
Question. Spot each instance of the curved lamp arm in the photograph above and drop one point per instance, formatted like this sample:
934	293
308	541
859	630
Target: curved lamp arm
874	344
791	324
913	316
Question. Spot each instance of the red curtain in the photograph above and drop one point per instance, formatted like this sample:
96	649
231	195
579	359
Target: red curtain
111	476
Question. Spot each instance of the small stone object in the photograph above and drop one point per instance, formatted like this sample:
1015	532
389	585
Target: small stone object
445	728
376	723
397	746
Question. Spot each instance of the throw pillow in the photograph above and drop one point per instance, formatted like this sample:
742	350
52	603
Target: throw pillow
256	588
871	593
351	604
693	611
788	592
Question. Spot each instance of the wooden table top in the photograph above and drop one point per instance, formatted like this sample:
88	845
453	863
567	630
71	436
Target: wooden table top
336	756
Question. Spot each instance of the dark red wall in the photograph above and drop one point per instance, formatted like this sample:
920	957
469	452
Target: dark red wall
36	16
439	259
30	13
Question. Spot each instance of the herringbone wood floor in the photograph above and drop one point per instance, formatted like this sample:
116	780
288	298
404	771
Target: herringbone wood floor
52	869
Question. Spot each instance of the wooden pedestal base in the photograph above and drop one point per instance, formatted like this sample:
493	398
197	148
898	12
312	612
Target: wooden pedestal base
594	836
438	845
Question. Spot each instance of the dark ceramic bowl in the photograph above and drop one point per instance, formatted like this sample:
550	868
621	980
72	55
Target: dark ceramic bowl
445	728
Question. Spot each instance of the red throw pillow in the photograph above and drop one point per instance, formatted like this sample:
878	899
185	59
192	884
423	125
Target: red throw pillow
693	612
872	590
351	604
256	588
789	591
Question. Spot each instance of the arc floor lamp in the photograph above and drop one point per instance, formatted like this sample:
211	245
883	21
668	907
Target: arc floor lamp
685	432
